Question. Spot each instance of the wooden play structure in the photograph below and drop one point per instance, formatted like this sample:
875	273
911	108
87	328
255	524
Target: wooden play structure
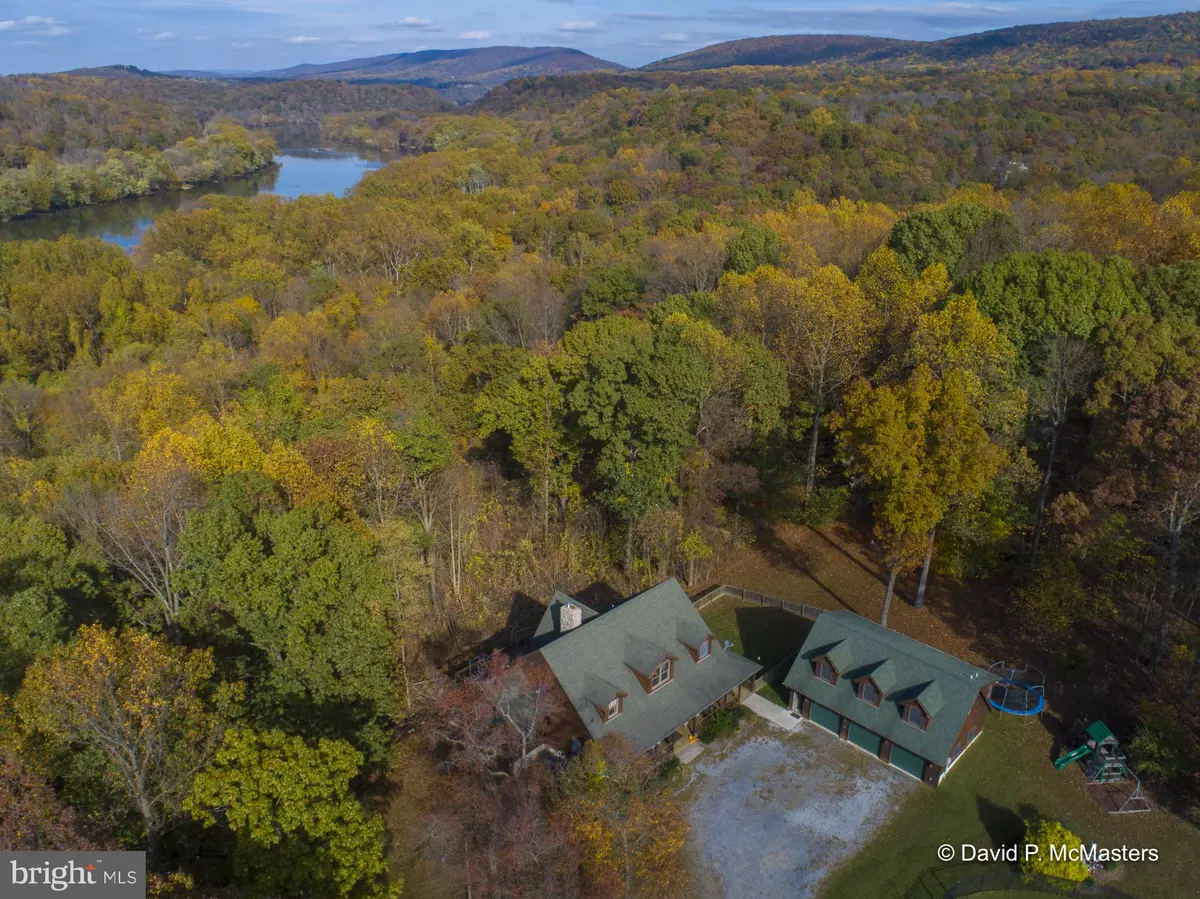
1110	779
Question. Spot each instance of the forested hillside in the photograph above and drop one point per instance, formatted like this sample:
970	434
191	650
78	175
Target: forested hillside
69	140
270	482
1115	43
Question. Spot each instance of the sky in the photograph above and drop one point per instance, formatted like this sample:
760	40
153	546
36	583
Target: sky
241	35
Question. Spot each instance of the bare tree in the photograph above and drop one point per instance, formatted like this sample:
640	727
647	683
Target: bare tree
492	719
138	527
1064	369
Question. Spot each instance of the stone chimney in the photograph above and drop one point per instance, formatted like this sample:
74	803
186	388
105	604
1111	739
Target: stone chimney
569	617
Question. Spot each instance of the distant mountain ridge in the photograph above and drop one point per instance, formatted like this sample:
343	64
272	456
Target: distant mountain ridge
458	74
1097	42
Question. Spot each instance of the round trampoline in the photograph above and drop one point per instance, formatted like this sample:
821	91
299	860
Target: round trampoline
1017	691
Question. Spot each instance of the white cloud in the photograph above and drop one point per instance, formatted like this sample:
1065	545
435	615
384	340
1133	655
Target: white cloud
302	39
676	37
579	26
161	36
417	22
245	45
475	35
43	26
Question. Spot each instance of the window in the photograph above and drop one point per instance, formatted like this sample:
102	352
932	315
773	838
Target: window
915	716
614	708
661	675
956	751
825	672
971	735
702	652
868	692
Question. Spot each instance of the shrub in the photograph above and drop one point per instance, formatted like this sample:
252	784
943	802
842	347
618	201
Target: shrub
671	771
1160	750
1045	834
722	723
827	505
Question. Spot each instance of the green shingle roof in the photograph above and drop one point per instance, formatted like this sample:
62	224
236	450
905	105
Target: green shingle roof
884	675
841	656
598	659
903	668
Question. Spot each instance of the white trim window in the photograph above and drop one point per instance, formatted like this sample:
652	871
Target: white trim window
702	652
825	672
661	675
869	693
614	708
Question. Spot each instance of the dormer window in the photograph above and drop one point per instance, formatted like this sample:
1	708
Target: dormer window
915	715
703	651
825	671
614	709
868	692
661	675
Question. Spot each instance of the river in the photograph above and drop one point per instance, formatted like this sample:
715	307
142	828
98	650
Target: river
303	166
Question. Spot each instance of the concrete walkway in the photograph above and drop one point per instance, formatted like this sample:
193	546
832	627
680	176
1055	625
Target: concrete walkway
776	716
689	752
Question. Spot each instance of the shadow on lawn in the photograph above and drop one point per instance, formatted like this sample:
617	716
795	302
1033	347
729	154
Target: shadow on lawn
1004	826
769	635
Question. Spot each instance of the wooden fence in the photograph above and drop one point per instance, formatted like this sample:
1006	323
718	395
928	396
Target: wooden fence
720	591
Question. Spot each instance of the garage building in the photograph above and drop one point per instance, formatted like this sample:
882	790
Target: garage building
911	705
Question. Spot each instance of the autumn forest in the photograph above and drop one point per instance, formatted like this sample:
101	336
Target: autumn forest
272	480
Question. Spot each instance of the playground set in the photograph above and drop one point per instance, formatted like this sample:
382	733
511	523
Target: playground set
1110	779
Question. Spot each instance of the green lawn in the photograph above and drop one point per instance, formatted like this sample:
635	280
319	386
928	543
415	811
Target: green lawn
1005	777
761	633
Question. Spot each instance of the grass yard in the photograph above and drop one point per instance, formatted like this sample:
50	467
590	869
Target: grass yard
761	633
1005	777
775	691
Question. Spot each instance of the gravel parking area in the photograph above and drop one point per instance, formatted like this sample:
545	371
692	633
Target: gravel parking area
774	813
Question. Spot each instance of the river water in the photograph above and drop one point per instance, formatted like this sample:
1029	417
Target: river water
303	166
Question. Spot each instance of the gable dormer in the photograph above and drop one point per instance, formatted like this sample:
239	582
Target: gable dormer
866	689
697	641
653	665
824	670
611	709
922	706
831	662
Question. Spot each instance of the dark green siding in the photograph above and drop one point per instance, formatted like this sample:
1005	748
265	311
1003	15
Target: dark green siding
860	736
827	718
907	761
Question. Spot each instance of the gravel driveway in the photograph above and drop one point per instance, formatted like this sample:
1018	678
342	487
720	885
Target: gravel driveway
774	813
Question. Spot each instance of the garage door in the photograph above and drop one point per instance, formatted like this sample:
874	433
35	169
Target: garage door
907	761
860	736
827	718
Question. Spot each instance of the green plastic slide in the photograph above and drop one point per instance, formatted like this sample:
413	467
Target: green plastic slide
1073	756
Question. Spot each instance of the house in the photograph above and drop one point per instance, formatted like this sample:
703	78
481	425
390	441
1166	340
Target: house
911	705
649	668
